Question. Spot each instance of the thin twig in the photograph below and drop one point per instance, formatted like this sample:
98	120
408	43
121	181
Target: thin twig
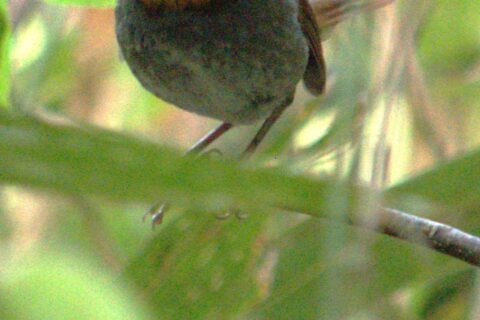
416	230
427	233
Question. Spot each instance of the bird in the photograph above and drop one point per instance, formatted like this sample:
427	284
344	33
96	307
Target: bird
237	61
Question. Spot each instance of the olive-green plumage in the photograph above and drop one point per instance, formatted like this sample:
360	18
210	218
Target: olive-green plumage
234	60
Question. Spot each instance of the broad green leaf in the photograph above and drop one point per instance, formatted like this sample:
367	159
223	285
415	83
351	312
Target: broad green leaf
447	297
4	55
90	161
454	183
88	3
52	285
307	275
328	271
201	268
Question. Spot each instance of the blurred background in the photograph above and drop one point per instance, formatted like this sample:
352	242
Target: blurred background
403	95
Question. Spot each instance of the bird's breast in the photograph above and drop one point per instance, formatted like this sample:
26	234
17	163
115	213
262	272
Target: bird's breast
235	63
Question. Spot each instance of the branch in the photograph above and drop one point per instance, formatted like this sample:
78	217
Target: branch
419	231
430	234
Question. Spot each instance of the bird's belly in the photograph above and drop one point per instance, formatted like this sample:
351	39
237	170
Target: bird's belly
223	67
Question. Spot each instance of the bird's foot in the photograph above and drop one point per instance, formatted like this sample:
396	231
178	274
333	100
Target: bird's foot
157	212
237	213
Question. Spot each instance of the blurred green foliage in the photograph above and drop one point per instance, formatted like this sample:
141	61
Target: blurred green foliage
52	285
77	249
4	55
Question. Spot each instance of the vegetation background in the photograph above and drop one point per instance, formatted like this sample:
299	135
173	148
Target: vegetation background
401	112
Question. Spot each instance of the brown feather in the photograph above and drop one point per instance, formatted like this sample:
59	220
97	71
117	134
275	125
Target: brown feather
315	72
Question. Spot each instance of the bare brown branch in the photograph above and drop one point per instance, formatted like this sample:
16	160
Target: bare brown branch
427	233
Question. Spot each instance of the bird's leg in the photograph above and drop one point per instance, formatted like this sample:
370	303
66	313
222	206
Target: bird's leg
158	211
210	137
266	126
261	133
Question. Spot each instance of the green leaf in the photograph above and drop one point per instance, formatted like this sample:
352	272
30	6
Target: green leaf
305	280
443	48
453	183
201	268
54	286
90	161
327	271
88	3
447	297
4	55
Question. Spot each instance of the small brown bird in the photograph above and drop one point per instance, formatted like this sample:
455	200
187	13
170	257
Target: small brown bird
238	61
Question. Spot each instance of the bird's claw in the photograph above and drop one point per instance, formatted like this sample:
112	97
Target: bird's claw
157	212
238	214
241	215
223	216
